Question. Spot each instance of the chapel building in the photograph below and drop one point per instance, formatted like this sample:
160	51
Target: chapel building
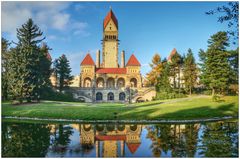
106	79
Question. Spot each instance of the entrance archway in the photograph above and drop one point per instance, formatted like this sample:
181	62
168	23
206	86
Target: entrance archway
99	96
133	82
110	96
122	96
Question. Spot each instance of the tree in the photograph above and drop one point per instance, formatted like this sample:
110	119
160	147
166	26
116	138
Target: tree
25	78
45	70
5	67
215	68
63	72
163	84
156	66
230	15
189	71
175	69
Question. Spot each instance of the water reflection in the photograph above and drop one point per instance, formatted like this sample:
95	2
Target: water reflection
216	139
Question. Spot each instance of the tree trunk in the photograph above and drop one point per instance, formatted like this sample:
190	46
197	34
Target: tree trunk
179	80
190	93
213	92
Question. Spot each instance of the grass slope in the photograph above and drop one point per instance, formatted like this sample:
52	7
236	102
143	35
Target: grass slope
196	107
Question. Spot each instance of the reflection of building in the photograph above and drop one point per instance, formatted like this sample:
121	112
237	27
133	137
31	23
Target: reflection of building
108	139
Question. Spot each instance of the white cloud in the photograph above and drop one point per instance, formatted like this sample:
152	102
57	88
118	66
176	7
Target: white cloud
75	60
60	21
78	7
48	15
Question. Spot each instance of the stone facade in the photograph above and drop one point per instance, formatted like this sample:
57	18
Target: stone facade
106	80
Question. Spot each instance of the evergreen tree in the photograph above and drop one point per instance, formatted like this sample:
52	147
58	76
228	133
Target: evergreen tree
63	71
189	71
163	84
25	75
5	58
44	68
229	14
175	69
216	68
233	61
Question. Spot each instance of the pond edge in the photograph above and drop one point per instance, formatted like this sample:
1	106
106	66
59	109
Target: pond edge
123	121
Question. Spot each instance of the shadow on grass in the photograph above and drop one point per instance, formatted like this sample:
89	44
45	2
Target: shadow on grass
193	113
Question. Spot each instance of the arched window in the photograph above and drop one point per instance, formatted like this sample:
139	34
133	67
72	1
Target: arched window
100	82
133	82
120	83
110	96
110	82
87	82
122	96
99	96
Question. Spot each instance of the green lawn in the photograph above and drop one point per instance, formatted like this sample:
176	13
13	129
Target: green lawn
196	107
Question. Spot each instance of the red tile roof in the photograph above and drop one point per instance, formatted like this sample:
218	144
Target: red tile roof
88	60
171	54
133	61
111	70
109	137
133	147
110	16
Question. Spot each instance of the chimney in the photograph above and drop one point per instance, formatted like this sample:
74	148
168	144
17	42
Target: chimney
98	59
123	59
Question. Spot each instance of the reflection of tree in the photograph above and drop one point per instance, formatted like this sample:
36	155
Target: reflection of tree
166	137
25	140
61	138
217	140
153	134
191	139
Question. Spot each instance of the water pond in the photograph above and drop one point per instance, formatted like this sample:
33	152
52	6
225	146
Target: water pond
211	139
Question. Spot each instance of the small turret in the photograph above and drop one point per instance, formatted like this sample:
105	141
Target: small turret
123	59
98	59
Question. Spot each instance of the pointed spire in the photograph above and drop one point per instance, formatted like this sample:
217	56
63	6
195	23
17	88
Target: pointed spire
110	16
88	60
133	61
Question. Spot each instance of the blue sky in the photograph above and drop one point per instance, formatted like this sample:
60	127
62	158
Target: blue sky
145	28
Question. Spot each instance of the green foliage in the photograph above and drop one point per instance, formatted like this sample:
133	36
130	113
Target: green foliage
216	97
5	68
163	84
175	69
189	71
215	66
166	95
228	13
63	72
29	67
50	94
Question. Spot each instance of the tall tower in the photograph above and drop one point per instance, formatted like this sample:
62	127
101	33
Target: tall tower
110	41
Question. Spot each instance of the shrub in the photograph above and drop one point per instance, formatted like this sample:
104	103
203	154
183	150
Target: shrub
51	94
166	95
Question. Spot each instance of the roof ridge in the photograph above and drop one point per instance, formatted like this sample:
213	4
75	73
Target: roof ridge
110	16
87	60
133	61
